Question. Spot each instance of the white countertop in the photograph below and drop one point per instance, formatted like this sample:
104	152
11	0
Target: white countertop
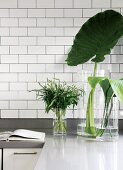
75	153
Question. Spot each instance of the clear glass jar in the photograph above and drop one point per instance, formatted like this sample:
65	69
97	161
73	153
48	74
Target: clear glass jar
59	122
102	122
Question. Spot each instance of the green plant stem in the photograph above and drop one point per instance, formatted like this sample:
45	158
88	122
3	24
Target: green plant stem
90	125
108	111
95	70
59	124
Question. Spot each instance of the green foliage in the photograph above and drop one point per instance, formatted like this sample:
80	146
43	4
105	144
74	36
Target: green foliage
58	95
96	38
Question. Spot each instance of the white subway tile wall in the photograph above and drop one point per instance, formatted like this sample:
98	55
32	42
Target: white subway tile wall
35	37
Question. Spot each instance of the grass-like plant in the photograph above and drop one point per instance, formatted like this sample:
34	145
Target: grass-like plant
93	42
58	97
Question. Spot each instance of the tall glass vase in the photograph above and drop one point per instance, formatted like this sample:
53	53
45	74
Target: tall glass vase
101	122
59	122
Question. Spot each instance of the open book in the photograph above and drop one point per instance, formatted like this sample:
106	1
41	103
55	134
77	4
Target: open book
22	134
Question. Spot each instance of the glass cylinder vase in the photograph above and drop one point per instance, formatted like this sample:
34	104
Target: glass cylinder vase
96	120
59	122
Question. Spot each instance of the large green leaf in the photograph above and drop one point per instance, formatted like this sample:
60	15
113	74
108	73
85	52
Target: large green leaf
96	38
109	87
107	90
93	81
117	86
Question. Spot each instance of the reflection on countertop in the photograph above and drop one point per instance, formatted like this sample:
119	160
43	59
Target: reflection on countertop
76	153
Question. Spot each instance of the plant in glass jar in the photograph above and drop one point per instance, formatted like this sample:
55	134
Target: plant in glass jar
58	97
94	41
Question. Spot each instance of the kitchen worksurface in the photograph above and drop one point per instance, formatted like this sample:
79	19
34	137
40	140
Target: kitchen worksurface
76	153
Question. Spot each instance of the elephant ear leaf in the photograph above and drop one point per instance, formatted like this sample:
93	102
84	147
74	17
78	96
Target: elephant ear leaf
117	86
107	90
96	38
93	81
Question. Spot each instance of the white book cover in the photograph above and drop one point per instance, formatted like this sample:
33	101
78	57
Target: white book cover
22	134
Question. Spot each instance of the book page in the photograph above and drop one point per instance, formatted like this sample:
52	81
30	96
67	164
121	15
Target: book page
27	134
5	135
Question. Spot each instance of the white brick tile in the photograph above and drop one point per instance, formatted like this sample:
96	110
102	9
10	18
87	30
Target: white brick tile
4	86
4	68
18	68
36	12
116	76
73	13
121	67
121	13
62	22
45	22
27	59
54	13
8	77
36	68
118	3
7	95
79	21
25	95
36	31
4	104
116	50
107	59
60	58
18	50
45	4
18	86
71	31
54	32
36	50
42	77
43	114
9	22
9	58
63	4
82	4
67	49
32	86
55	49
8	4
116	59
27	114
18	104
46	41
69	68
26	4
100	4
120	41
46	58
27	40
64	76
27	77
90	12
4	49
4	12
18	12
54	68
110	67
64	40
9	113
4	31
18	31
27	22
9	40
36	105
